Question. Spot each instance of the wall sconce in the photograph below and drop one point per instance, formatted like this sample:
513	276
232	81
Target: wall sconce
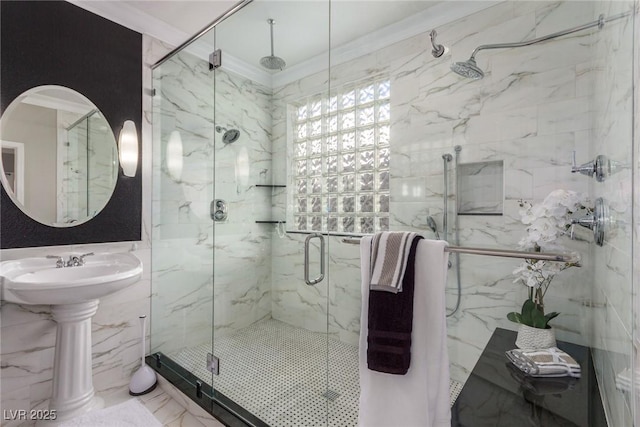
128	148
174	155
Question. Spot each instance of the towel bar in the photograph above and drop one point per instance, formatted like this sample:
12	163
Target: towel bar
572	258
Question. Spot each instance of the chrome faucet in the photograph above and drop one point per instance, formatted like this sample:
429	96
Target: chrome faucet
77	261
59	260
74	260
599	222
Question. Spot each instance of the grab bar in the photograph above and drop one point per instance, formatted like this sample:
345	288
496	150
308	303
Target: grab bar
572	258
318	279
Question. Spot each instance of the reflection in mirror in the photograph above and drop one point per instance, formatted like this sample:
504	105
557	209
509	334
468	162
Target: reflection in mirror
59	156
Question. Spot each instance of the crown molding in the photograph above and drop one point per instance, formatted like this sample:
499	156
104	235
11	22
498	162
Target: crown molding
438	15
232	64
134	19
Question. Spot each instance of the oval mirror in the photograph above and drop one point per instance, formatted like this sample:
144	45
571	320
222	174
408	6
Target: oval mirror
59	156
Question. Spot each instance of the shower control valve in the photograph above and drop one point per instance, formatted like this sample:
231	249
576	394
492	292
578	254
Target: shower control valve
600	168
218	210
599	222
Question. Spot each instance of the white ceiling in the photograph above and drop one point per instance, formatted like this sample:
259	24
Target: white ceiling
188	16
302	27
301	33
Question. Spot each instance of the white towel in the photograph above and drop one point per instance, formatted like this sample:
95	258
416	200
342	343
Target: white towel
421	397
389	255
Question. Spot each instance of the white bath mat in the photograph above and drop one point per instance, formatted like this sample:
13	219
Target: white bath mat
128	414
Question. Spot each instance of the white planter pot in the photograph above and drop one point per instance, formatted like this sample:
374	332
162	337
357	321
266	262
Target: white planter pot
534	339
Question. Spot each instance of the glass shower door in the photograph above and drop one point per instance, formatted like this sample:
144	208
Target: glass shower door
182	230
270	329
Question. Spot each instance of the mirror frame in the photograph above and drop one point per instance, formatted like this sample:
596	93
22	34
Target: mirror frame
56	42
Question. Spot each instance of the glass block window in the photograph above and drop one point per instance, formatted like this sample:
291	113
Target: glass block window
341	160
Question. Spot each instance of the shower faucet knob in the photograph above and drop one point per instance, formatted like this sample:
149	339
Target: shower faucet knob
600	168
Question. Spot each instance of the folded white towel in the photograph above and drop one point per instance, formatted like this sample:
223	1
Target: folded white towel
550	362
389	255
421	397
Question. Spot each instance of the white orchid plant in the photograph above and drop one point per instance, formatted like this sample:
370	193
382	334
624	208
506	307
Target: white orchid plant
547	223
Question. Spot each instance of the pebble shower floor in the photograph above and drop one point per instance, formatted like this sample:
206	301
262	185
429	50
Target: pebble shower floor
279	373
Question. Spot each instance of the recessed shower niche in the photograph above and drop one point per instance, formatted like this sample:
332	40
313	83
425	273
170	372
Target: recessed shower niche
481	188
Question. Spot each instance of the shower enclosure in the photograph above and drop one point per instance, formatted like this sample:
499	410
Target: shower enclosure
263	176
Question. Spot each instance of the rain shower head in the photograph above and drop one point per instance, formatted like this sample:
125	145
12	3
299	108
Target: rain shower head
229	135
468	69
272	62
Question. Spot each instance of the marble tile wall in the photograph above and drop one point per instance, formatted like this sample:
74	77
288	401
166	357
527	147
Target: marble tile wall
184	253
530	112
613	121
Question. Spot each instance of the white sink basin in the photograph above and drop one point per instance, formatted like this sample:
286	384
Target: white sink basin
38	281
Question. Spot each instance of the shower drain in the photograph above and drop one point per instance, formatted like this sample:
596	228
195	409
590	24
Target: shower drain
331	395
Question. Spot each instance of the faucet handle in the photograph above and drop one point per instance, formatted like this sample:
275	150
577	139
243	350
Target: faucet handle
79	260
86	255
600	168
588	169
587	222
59	260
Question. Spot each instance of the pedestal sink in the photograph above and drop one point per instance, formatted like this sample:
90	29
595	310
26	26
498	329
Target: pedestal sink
73	293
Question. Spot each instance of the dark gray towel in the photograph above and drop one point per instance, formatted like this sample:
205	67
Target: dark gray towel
390	321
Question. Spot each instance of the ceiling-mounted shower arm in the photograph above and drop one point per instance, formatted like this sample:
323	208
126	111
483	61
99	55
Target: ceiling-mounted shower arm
272	62
598	23
271	22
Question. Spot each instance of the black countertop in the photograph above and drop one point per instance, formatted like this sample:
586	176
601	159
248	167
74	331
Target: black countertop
497	394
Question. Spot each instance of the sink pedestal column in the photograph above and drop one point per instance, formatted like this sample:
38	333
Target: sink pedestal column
73	392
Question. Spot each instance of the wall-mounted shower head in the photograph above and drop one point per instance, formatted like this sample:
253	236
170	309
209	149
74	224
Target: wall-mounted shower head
468	69
272	62
471	70
229	135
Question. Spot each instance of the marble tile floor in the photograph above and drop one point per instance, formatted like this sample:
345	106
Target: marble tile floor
170	411
279	373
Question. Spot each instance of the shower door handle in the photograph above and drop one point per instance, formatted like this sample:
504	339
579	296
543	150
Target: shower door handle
320	278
